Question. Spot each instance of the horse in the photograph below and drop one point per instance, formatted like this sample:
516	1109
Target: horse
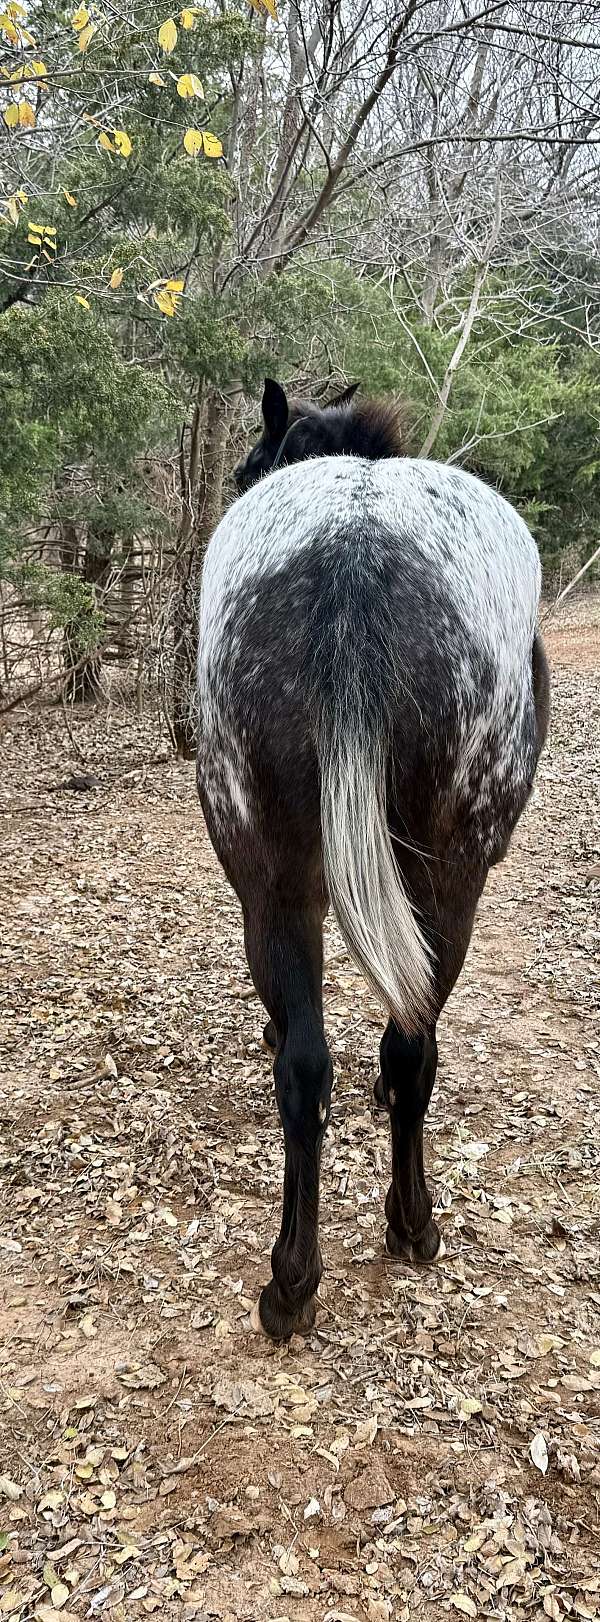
373	698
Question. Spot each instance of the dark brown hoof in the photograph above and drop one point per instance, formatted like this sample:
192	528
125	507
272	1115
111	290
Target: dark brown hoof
378	1093
270	1037
277	1320
424	1249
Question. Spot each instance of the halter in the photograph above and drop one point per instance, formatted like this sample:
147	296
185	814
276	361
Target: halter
282	446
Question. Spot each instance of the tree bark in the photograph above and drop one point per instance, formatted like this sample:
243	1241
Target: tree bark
202	494
83	683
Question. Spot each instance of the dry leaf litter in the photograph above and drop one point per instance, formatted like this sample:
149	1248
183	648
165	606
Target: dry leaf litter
433	1447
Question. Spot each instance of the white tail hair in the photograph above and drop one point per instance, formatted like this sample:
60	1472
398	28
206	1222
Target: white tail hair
365	888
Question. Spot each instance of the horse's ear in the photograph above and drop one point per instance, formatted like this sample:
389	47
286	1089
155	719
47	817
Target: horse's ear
274	409
345	398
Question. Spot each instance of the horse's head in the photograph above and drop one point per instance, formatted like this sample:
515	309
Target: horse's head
294	431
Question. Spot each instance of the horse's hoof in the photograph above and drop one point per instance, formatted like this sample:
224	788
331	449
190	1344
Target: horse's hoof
270	1037
270	1317
429	1247
378	1093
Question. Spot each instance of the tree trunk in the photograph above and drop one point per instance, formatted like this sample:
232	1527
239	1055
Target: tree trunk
202	492
84	670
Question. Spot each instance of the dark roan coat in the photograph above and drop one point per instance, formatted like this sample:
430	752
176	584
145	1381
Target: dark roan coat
372	701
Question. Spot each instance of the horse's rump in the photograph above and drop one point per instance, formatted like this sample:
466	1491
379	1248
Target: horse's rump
407	606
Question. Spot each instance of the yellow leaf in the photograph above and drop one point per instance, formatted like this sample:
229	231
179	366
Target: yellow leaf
15	10
23	196
117	277
19	73
85	36
40	69
212	145
192	141
196	141
42	236
189	85
58	1594
266	5
9	29
80	18
167	36
105	142
11	115
186	18
13	209
166	302
70	199
122	143
156	78
85	303
176	285
26	115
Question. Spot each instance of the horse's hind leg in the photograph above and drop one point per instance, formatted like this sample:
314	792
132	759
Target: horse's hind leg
409	1064
284	949
270	1036
408	1067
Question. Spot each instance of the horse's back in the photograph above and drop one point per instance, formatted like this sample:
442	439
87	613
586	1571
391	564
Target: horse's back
451	540
409	577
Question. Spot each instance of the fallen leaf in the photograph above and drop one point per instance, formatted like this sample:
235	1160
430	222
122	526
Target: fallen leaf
49	1613
242	1396
143	1378
59	1595
313	1508
512	1573
378	1610
538	1452
51	1500
365	1432
468	1407
230	1522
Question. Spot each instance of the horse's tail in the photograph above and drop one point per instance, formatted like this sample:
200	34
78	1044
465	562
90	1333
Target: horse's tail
365	887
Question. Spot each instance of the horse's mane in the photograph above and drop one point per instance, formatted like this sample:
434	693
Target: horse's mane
375	428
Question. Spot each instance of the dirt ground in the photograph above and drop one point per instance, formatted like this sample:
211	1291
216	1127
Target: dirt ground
433	1447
